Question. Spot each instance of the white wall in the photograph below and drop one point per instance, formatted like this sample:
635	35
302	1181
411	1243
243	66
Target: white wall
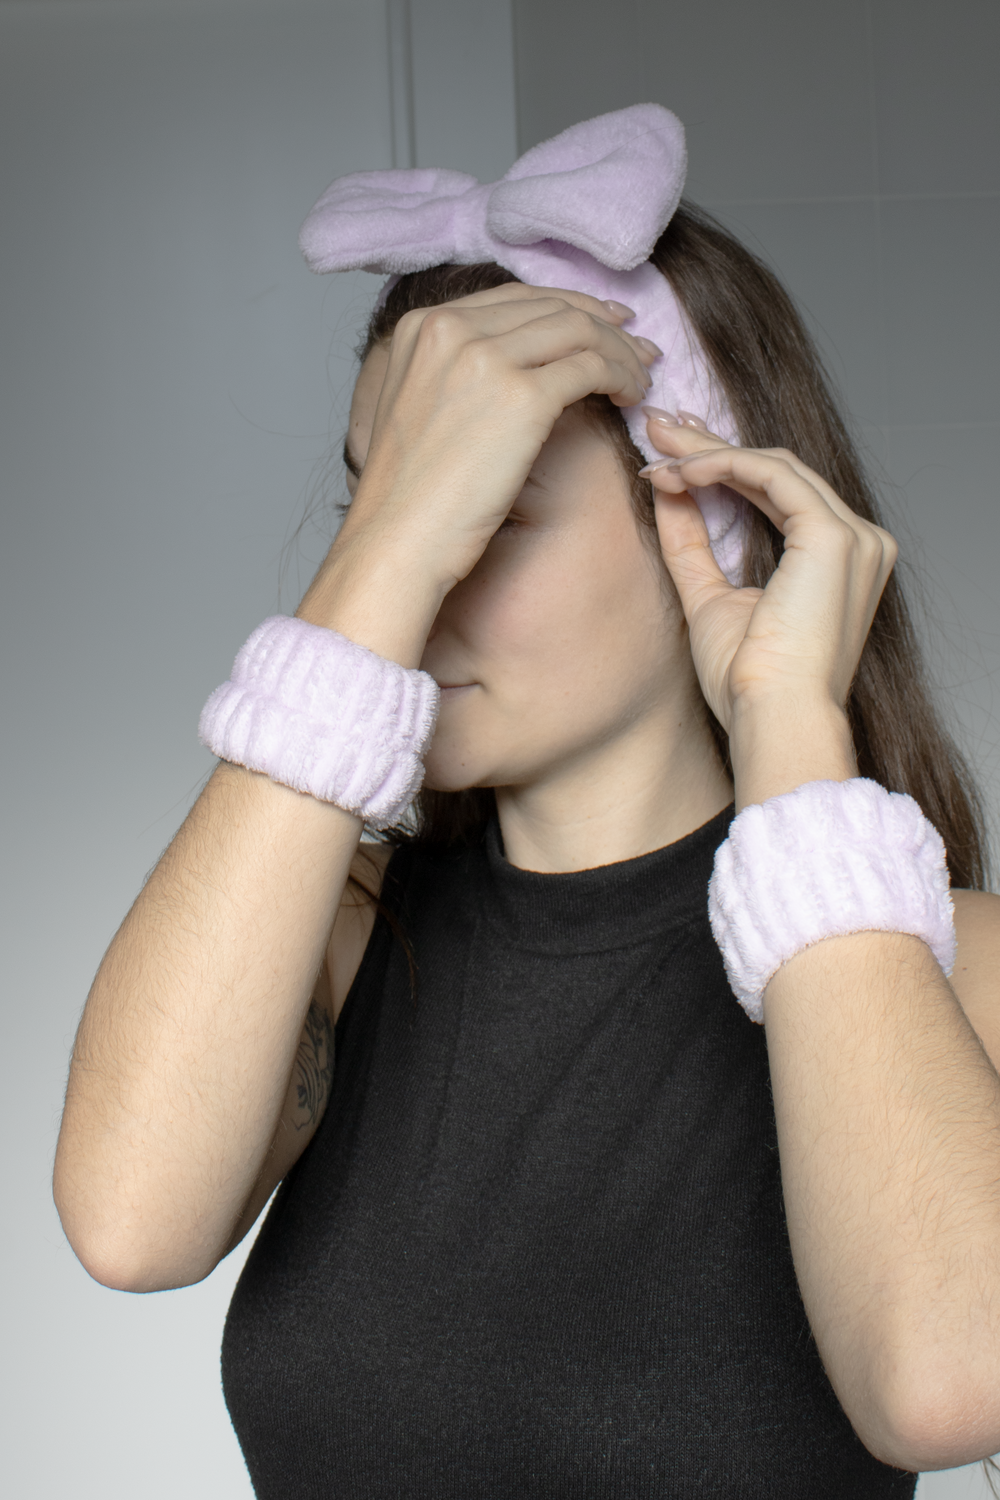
171	379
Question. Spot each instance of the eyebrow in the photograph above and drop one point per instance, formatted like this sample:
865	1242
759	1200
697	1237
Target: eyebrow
350	464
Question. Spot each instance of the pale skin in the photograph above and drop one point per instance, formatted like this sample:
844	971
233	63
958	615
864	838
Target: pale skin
490	540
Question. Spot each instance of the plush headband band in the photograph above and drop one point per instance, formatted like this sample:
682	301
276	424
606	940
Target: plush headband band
581	211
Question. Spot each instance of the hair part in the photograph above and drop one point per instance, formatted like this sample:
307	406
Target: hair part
769	370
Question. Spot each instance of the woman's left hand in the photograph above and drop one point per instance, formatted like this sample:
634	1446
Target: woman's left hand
797	642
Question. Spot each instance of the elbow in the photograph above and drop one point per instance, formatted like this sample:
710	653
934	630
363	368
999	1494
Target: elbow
126	1261
121	1269
936	1419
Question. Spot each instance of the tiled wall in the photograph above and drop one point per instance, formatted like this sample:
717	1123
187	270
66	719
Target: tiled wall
856	147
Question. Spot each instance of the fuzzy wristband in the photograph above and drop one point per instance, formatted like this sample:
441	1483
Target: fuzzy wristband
316	712
830	858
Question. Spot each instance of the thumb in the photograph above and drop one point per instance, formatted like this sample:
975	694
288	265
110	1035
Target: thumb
687	551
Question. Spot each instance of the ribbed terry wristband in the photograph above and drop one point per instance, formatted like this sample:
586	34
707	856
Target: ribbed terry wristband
828	859
316	712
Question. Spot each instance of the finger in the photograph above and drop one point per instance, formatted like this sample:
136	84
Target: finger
676	439
766	479
566	380
567	331
687	552
840	508
608	311
790	499
687	434
673	436
461	322
529	335
819	484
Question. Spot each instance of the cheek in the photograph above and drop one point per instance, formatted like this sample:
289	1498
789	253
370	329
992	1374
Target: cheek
568	612
572	638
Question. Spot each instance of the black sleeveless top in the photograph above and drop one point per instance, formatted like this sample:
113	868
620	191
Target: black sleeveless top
537	1247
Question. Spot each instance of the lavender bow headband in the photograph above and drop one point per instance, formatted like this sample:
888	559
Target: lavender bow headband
581	211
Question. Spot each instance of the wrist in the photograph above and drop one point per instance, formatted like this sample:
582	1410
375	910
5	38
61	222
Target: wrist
781	741
318	712
381	595
825	860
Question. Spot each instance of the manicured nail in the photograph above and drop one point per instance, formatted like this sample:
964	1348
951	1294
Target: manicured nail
661	463
688	419
649	346
657	414
619	310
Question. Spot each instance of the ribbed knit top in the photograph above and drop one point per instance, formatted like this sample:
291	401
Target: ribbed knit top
537	1248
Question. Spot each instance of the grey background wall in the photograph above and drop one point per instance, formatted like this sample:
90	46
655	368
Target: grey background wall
172	378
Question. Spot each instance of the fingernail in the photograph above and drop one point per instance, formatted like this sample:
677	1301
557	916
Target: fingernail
619	310
661	463
688	419
657	414
649	346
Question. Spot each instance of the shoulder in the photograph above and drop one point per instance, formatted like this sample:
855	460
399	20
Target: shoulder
976	976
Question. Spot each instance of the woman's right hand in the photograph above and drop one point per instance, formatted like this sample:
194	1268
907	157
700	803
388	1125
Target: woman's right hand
180	1111
447	427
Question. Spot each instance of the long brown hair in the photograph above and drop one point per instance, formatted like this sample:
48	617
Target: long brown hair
769	370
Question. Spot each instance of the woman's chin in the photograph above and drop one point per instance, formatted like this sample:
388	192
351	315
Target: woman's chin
455	780
462	753
456	767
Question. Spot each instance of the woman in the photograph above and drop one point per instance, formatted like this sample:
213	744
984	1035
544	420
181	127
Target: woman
539	1244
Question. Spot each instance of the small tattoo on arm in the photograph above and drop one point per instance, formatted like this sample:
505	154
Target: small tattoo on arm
314	1066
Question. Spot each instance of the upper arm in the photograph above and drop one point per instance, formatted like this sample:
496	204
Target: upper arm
976	976
312	1072
355	921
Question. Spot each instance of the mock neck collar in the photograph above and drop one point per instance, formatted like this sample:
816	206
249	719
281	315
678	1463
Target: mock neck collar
611	906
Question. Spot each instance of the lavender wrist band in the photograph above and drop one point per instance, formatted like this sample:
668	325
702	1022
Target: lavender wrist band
316	712
830	858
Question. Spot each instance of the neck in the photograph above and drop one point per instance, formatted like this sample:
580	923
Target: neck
639	791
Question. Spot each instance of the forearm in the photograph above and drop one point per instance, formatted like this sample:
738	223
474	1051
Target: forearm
888	1114
184	1054
188	1038
888	1108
